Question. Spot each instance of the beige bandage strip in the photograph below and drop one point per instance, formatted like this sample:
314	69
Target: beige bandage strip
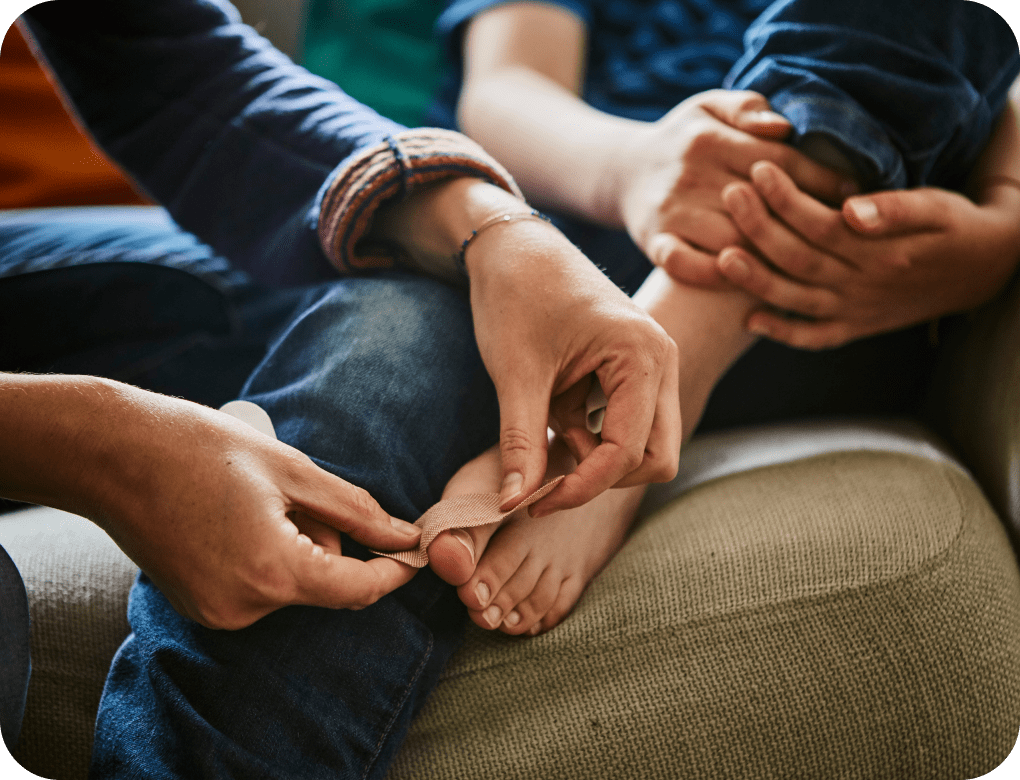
465	511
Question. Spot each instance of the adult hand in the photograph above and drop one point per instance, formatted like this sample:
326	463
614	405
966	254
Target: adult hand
229	523
545	318
885	261
670	175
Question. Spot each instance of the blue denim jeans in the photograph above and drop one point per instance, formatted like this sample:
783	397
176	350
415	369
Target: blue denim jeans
377	379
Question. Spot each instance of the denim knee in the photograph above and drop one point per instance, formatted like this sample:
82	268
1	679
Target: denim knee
379	381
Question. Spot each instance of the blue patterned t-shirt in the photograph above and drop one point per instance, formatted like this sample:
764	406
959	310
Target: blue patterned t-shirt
644	56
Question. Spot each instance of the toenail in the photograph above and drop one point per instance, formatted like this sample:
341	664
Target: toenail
482	591
535	629
464	538
513	618
492	615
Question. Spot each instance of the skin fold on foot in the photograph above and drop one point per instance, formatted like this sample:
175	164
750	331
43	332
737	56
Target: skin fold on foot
525	579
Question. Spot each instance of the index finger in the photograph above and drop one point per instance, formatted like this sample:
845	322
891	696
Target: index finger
640	441
826	184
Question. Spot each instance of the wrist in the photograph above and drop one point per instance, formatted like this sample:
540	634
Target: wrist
614	172
430	226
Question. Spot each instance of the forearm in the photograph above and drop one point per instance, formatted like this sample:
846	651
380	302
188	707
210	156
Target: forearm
999	163
557	147
523	70
53	438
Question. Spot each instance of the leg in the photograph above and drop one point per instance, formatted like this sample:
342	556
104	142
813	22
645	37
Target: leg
126	294
377	380
530	573
908	90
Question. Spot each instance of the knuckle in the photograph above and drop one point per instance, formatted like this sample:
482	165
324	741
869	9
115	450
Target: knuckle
631	459
361	502
514	441
660	468
811	306
702	143
828	230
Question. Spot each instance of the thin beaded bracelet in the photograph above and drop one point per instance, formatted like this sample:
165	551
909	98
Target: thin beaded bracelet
462	263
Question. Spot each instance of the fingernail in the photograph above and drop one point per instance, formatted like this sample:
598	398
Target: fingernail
767	117
764	177
513	618
465	539
408	529
866	212
512	484
737	201
757	329
492	615
733	266
482	591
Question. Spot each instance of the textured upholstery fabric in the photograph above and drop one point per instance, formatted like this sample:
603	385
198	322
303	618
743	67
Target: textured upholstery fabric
978	398
856	610
77	581
852	615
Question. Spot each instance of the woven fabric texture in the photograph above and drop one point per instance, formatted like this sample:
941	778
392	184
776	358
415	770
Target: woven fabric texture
77	581
853	615
465	511
978	399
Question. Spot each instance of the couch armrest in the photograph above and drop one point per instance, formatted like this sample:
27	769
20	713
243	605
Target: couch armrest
976	400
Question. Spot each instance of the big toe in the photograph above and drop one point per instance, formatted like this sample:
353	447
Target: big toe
453	554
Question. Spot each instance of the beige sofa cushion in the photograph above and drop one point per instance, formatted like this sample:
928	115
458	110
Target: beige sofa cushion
851	615
854	610
77	581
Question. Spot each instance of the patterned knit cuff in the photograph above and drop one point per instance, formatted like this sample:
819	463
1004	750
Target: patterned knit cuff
393	169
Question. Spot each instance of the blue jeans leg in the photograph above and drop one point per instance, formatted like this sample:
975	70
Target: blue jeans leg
379	381
124	293
909	90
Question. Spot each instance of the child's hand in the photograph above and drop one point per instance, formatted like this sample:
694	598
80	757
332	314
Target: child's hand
670	177
886	261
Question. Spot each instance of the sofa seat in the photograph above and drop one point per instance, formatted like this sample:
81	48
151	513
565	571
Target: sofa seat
802	600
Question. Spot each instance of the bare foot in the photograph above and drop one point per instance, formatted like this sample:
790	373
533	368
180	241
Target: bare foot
526	575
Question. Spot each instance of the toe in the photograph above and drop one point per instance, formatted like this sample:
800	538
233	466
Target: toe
569	594
452	554
499	562
531	609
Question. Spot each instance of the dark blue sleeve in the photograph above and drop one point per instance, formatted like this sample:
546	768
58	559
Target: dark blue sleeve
215	124
910	89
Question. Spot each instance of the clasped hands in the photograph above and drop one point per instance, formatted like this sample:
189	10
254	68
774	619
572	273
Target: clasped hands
713	196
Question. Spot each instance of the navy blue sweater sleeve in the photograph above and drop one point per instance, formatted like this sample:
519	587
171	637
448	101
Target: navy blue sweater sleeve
243	147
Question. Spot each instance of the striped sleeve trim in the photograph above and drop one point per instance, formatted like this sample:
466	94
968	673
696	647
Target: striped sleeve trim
393	169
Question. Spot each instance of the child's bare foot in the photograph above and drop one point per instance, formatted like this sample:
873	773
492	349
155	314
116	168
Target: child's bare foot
526	575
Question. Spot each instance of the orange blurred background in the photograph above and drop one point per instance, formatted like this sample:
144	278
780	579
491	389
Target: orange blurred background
45	160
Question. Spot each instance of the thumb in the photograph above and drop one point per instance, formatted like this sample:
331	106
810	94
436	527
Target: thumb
750	112
897	211
523	441
337	582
